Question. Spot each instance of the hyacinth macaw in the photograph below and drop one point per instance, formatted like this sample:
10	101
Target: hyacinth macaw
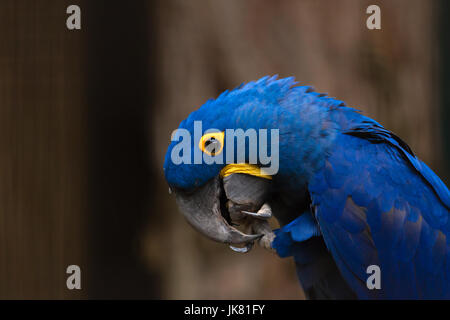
348	194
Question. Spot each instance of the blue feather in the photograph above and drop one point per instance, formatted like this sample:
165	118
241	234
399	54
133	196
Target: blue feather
373	201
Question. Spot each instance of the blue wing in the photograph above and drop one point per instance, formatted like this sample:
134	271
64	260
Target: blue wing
377	204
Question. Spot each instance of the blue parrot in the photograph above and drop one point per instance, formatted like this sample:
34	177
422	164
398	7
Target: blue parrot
352	199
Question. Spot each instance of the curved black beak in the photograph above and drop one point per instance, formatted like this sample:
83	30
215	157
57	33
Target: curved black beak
201	208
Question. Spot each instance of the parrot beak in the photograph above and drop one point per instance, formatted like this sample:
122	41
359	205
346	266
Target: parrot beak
202	209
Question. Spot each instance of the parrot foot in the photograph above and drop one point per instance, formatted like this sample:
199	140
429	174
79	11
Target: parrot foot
263	227
255	223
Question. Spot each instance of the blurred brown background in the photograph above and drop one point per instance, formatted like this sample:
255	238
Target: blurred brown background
86	117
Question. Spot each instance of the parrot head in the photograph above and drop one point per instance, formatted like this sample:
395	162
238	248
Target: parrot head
223	158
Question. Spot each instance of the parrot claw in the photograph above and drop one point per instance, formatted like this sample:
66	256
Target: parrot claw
248	246
264	213
262	226
245	249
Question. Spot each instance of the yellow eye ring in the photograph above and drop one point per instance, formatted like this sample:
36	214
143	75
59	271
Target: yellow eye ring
212	143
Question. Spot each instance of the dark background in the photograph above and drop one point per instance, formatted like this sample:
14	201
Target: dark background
86	116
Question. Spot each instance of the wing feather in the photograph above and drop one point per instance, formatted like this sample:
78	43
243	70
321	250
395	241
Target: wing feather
376	203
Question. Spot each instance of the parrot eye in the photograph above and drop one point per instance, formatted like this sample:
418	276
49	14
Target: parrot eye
212	143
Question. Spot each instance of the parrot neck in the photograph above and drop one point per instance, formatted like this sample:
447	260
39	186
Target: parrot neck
305	142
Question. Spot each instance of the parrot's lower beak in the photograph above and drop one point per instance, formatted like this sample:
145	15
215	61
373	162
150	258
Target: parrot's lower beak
201	209
211	208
